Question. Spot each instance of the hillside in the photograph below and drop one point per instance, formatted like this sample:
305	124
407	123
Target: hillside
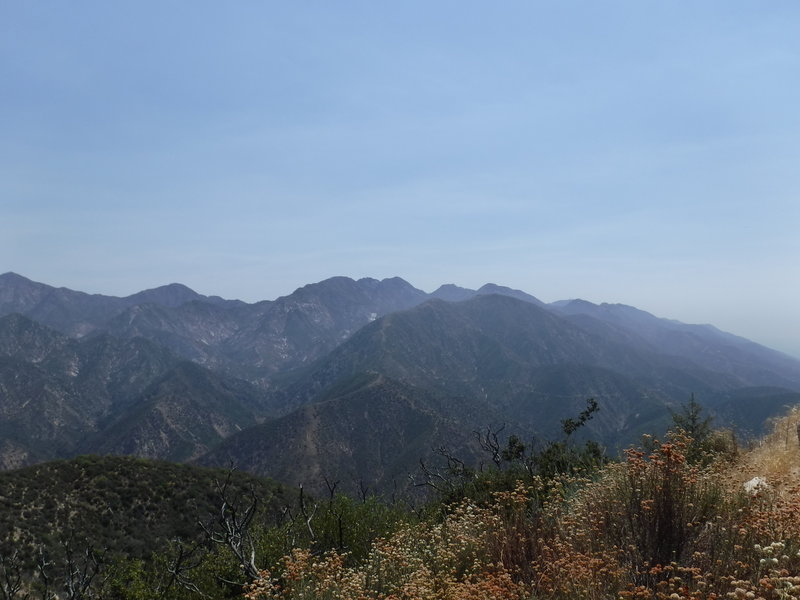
659	525
62	396
368	433
250	341
654	526
168	373
704	345
776	458
129	506
525	363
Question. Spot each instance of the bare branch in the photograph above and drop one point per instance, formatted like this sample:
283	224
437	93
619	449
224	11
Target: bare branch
11	583
187	558
490	442
231	527
306	515
80	570
331	488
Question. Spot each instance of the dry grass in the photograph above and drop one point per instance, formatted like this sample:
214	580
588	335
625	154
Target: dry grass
653	527
451	560
776	457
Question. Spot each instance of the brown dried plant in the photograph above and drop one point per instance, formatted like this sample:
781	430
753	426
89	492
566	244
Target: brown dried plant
653	527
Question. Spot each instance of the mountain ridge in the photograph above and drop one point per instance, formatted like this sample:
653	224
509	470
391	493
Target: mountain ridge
169	373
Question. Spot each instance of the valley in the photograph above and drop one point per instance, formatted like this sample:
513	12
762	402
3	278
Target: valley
352	380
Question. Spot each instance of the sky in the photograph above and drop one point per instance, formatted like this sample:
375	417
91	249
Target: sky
646	153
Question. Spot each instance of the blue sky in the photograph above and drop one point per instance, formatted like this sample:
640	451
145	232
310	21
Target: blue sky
637	152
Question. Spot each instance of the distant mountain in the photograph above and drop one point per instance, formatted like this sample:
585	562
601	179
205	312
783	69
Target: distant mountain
175	294
178	417
28	340
369	432
434	374
453	293
298	328
194	330
751	411
705	345
450	292
500	290
356	379
78	313
74	313
251	341
256	341
62	396
55	389
524	362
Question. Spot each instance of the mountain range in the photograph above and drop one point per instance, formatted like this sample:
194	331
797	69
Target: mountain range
351	379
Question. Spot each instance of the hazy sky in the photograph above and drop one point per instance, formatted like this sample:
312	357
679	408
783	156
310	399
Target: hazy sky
638	152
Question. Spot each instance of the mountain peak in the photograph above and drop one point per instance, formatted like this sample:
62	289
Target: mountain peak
11	276
493	288
173	294
574	304
396	282
15	280
450	292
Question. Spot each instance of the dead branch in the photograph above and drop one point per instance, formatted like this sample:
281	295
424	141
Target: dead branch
231	527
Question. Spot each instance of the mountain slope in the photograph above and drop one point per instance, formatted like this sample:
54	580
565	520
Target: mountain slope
129	506
528	364
251	341
317	361
179	417
705	345
453	293
300	327
77	313
60	396
369	432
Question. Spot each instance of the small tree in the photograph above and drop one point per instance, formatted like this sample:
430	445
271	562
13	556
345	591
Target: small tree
231	527
691	423
570	426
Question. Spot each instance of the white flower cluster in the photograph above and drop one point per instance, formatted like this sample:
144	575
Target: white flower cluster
773	581
773	554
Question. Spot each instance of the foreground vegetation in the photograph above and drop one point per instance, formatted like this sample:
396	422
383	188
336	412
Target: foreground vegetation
672	520
654	526
127	506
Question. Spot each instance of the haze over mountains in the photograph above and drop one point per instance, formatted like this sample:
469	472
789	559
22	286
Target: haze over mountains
351	380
